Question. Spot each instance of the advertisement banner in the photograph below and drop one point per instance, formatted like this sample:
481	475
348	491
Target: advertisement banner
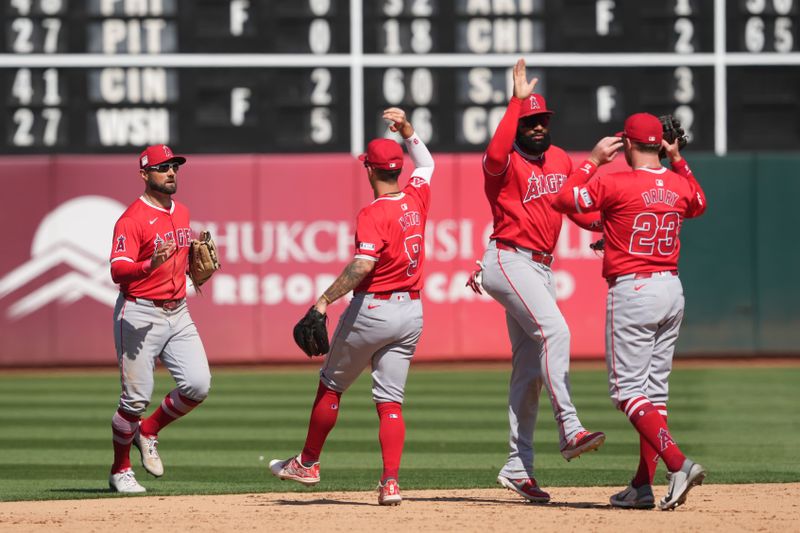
284	226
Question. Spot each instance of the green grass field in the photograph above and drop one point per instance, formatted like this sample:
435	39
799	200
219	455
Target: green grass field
55	437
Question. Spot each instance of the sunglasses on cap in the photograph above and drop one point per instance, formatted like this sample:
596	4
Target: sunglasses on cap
164	167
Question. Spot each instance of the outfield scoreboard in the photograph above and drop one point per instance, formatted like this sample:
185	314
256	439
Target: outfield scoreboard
278	76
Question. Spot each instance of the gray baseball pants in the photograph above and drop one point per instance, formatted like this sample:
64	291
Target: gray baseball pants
540	351
377	332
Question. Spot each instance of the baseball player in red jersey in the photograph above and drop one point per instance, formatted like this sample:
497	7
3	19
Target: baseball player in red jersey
151	321
383	322
522	173
642	212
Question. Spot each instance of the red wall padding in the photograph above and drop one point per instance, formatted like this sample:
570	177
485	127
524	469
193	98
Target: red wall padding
284	225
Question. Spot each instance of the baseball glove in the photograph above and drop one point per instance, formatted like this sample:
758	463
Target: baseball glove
202	259
599	245
311	333
672	129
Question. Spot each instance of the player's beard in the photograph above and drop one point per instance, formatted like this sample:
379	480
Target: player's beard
164	188
532	147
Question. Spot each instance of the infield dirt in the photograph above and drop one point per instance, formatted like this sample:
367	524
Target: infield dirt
768	507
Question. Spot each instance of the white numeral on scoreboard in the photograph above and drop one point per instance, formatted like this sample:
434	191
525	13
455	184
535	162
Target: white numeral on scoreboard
24	119
321	127
685	30
320	94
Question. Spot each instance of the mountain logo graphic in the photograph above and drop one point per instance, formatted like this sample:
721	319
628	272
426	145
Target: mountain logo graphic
77	234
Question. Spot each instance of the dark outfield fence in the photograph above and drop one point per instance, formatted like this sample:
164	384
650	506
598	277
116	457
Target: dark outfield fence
741	260
284	225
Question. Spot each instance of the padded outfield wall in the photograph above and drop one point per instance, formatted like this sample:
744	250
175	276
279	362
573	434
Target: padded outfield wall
285	229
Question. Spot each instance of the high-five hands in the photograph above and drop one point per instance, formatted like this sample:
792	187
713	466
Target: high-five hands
522	87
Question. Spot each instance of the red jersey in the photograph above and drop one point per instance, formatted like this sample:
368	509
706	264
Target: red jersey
521	188
520	198
391	232
137	232
642	211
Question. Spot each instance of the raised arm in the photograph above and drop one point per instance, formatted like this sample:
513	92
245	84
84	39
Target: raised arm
419	153
697	204
495	159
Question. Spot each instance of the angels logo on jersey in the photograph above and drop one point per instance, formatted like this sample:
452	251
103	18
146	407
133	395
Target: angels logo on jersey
76	235
544	184
120	247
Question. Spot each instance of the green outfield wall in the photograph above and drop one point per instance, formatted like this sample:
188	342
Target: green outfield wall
740	262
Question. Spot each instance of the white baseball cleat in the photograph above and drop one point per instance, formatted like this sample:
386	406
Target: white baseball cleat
634	498
125	482
681	482
148	448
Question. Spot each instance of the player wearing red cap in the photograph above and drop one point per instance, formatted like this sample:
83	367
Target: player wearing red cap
642	211
383	322
149	260
522	174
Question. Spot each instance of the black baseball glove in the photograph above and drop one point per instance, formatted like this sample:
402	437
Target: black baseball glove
672	129
599	245
311	333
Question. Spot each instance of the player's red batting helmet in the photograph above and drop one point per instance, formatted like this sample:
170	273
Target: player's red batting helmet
383	153
534	105
157	154
644	128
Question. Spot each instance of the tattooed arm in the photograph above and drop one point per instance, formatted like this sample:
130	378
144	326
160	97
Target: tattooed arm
351	276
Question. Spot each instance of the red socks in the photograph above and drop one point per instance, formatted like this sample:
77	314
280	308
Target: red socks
123	427
648	457
323	418
653	428
392	435
173	406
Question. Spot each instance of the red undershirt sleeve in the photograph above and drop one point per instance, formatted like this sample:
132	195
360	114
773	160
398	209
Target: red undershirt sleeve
495	159
126	272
